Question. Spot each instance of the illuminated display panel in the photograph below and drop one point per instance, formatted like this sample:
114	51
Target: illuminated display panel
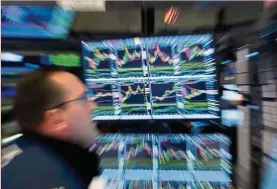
169	77
164	161
41	22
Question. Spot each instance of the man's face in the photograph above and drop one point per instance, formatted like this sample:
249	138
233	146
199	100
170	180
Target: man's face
77	114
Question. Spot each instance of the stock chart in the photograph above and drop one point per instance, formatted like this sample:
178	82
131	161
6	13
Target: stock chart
139	155
195	97
129	62
164	161
133	98
108	152
161	61
102	94
207	154
173	155
167	77
196	59
196	185
163	98
192	61
99	63
138	185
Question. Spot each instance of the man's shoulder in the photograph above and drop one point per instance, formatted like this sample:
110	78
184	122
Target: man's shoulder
31	164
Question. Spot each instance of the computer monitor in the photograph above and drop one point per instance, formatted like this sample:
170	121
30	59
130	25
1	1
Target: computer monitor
166	77
164	161
42	22
61	59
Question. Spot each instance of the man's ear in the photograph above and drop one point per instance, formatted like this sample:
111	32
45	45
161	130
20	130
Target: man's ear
54	122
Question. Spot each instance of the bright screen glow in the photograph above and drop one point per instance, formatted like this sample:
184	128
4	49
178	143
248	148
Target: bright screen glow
152	78
232	117
11	57
35	22
61	59
231	95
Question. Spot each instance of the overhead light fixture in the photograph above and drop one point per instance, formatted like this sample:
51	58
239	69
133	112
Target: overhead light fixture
83	5
171	15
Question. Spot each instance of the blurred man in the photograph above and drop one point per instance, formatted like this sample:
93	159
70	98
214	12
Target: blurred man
53	111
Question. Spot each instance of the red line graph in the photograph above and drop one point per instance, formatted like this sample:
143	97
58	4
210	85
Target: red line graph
159	54
99	57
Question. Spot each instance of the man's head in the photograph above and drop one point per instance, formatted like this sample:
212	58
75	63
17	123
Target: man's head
54	104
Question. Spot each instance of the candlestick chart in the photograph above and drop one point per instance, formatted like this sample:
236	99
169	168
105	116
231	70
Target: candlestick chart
108	153
172	155
129	62
139	156
207	153
99	65
194	60
166	161
161	61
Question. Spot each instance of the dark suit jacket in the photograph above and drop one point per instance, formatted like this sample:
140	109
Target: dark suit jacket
47	163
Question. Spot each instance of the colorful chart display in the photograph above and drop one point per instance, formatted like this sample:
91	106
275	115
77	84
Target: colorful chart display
179	161
172	77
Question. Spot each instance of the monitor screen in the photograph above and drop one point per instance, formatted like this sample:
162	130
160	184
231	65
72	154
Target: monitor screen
17	64
171	77
35	22
61	59
167	161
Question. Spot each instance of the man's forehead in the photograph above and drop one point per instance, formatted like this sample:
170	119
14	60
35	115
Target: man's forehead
68	82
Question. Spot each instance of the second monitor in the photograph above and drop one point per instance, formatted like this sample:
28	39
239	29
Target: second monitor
171	77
